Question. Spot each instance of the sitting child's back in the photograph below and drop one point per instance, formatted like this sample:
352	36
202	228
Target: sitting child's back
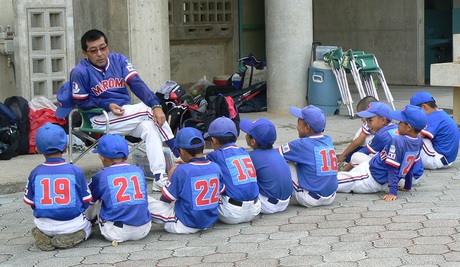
273	173
314	173
240	202
119	192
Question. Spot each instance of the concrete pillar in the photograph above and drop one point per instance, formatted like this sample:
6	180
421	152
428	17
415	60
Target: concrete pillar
446	74
289	34
148	31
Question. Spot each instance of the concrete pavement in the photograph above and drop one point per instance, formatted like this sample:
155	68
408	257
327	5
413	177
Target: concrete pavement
420	228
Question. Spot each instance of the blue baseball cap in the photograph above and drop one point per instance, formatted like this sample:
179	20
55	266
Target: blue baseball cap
420	98
412	115
262	130
50	138
112	146
65	101
222	127
376	108
185	137
312	115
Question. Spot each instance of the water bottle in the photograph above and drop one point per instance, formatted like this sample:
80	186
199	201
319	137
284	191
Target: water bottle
236	80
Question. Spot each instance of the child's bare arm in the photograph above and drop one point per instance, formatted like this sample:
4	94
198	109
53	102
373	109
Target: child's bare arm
171	171
352	146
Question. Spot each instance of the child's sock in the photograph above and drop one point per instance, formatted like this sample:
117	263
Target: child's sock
174	150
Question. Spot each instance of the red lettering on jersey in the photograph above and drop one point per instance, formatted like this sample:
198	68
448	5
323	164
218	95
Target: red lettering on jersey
97	90
108	84
119	83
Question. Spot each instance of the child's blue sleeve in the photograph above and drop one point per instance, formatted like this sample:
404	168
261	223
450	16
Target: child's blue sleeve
408	182
393	179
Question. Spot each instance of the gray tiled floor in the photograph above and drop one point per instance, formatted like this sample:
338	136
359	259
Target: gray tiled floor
420	228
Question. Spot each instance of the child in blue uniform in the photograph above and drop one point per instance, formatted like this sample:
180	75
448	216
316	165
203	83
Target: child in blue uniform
312	158
273	173
393	163
441	135
240	203
362	137
58	194
119	193
190	199
379	122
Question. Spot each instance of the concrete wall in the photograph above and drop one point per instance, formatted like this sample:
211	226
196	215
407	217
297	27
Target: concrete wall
7	72
203	49
390	29
43	46
137	29
192	61
90	14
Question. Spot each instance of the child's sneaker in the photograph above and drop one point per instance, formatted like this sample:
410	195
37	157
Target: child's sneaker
43	241
68	240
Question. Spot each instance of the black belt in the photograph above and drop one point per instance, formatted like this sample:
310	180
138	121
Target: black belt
118	224
237	202
314	195
444	161
274	201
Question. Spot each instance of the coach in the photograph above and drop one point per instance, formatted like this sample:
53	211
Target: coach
99	81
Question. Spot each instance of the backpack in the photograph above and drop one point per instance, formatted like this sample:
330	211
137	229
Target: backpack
254	98
221	103
9	136
20	108
256	104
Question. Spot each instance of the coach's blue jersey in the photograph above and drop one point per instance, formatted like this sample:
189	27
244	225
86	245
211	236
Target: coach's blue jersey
239	173
316	163
123	191
401	153
95	87
196	188
273	173
381	138
57	190
443	132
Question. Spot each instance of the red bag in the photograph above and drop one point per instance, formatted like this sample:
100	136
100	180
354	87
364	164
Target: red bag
41	111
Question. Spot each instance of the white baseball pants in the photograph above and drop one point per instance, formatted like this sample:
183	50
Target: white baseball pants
137	121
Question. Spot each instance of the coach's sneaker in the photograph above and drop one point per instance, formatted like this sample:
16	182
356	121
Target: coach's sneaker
159	182
68	240
43	241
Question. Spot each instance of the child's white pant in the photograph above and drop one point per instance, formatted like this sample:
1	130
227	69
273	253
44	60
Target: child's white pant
117	232
359	157
305	198
267	206
359	180
431	159
233	214
52	227
163	213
